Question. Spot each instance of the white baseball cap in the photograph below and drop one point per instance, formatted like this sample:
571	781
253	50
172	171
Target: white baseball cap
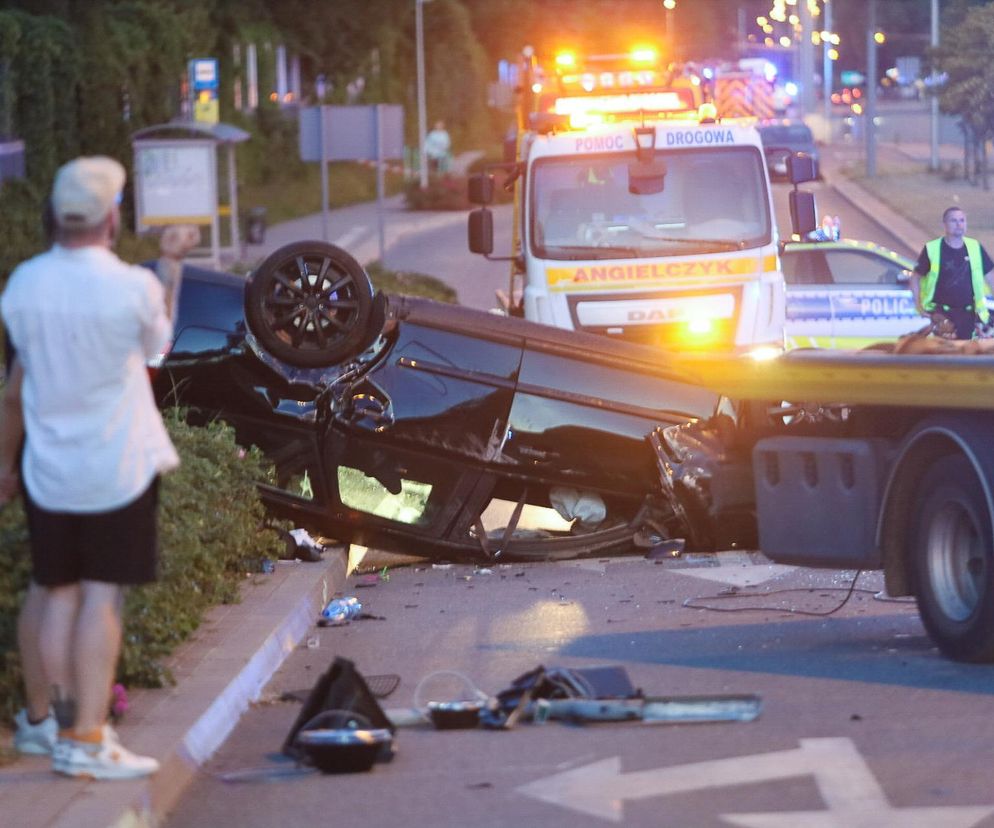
86	190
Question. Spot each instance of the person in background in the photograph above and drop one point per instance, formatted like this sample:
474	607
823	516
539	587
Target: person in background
952	275
437	148
81	325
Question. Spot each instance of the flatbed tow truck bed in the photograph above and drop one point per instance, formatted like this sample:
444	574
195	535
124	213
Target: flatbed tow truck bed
873	378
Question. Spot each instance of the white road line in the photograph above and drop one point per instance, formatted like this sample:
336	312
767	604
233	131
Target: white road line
853	797
350	236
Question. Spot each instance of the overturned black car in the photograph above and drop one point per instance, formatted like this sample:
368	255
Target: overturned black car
421	427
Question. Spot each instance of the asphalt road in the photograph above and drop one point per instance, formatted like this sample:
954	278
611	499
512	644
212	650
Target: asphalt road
862	723
855	223
444	253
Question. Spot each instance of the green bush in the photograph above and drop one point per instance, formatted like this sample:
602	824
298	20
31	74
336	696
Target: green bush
410	284
210	521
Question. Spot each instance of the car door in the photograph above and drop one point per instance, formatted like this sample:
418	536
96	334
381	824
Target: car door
808	319
407	444
584	406
871	299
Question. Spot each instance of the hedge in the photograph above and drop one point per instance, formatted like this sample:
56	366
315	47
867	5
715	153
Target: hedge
212	530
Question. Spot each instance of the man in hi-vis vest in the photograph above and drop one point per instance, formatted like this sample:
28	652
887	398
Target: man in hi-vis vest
950	277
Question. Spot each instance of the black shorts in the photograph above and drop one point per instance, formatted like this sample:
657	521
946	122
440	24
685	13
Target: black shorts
117	547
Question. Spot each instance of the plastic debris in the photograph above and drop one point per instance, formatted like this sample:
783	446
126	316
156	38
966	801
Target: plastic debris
340	611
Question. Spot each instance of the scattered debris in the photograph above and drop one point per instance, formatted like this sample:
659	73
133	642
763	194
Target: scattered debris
672	548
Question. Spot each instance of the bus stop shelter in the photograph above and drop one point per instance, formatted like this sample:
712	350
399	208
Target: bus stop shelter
176	180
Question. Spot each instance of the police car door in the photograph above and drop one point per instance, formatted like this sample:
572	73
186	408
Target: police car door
871	299
808	319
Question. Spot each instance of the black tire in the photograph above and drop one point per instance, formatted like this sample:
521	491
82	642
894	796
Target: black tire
954	565
308	304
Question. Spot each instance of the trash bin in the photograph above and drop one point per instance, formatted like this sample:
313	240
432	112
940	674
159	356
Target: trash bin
255	229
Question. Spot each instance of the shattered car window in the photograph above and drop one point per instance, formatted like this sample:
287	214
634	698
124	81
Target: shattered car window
367	494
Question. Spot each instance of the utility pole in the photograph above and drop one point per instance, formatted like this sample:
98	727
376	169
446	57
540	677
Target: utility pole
806	59
933	160
827	69
669	5
871	90
419	38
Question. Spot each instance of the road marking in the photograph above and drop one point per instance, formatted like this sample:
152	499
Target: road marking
349	236
736	569
853	797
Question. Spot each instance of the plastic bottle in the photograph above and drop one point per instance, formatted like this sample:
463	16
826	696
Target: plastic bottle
341	610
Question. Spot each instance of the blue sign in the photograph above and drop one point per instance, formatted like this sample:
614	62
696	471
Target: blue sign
203	75
204	89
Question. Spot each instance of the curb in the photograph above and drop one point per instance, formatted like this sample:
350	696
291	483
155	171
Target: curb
219	674
255	647
910	234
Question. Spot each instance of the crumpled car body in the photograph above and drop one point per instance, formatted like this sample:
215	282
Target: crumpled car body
436	419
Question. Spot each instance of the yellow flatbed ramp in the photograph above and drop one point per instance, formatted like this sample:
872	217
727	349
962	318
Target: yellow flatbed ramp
852	377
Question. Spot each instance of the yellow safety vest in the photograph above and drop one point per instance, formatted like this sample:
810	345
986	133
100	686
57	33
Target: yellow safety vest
934	250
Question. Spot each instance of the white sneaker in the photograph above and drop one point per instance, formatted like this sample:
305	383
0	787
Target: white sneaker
107	760
37	739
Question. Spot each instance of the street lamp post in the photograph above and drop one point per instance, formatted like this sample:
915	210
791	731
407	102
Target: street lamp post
870	113
669	5
419	36
826	69
933	158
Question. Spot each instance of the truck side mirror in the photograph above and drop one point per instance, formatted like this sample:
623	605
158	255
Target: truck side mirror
481	231
481	188
800	168
803	215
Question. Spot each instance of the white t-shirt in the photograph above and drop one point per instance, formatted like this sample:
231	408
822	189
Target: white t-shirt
84	323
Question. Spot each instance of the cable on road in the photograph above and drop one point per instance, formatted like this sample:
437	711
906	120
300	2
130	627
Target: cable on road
694	603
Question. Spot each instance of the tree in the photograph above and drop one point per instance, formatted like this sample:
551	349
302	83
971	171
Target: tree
964	56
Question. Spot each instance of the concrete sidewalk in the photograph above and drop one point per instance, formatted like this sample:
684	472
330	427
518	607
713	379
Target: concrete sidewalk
834	159
904	196
219	672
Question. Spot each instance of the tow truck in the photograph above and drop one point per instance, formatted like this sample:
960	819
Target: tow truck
881	458
640	213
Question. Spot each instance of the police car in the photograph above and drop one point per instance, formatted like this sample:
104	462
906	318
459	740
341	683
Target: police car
846	294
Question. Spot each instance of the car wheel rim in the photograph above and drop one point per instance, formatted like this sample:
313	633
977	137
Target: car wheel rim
957	566
311	302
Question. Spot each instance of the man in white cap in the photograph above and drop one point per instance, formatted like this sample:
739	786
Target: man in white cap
82	324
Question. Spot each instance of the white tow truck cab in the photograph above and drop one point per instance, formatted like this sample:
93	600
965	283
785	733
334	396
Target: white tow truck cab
642	219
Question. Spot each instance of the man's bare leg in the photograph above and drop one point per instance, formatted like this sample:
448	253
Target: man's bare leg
55	639
37	687
96	646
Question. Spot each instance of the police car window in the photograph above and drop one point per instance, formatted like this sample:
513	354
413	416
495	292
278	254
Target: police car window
805	267
854	268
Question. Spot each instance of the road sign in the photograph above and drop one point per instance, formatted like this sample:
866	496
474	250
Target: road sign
204	90
352	133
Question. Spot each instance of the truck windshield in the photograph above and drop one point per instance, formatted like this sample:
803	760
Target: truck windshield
714	200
